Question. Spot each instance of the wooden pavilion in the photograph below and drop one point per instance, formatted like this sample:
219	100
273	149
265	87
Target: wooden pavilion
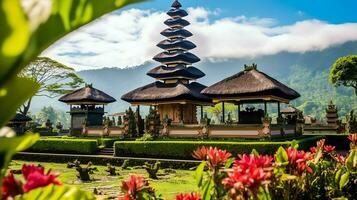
86	107
174	94
250	86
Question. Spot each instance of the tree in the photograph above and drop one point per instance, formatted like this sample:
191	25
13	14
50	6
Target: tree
344	72
54	78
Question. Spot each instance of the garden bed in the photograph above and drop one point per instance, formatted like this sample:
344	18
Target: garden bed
180	149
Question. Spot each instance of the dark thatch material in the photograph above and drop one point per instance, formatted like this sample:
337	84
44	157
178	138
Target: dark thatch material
177	57
176	4
176	22
177	45
164	72
87	94
290	110
177	13
161	92
169	32
250	83
20	118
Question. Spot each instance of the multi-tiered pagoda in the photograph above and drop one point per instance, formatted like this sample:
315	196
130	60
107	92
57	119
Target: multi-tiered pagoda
332	115
174	93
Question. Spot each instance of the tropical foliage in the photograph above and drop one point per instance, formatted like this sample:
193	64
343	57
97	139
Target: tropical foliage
344	72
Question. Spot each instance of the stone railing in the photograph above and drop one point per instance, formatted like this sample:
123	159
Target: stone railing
116	131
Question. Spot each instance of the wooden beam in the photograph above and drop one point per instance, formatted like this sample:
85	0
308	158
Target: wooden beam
223	113
265	108
201	112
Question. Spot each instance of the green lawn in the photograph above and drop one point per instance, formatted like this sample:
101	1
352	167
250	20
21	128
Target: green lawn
169	184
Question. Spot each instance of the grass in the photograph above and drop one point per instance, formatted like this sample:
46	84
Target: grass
169	184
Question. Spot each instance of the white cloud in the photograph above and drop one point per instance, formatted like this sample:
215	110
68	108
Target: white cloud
129	38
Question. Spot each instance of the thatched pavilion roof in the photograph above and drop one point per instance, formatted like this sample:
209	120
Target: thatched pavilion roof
164	72
87	94
250	84
164	92
290	110
20	118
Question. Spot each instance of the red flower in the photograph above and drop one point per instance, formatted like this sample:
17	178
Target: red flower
10	186
246	161
132	186
313	150
217	157
190	196
125	197
35	177
329	148
200	153
340	158
297	160
353	137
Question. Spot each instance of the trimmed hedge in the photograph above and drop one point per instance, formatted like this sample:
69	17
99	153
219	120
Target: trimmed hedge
57	145
184	149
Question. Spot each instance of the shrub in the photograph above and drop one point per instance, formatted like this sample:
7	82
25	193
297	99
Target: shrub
56	145
184	149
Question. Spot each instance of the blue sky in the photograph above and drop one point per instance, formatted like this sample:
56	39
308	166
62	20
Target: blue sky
223	29
285	11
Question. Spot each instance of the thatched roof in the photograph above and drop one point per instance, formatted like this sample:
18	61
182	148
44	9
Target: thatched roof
87	94
250	83
176	4
177	13
161	92
177	57
290	110
164	72
170	32
20	118
178	44
174	22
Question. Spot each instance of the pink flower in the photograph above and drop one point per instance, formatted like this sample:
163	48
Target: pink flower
35	177
10	186
329	148
353	137
189	196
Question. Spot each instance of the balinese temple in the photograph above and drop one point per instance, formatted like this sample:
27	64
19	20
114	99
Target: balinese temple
86	106
175	92
332	115
19	122
250	86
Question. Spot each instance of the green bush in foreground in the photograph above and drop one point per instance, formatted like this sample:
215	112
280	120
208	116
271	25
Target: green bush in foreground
184	149
80	146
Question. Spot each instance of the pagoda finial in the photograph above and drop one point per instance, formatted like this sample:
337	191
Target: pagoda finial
176	4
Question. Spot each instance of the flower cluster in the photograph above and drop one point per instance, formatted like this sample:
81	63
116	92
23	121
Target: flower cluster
34	176
249	173
189	196
298	161
215	157
135	188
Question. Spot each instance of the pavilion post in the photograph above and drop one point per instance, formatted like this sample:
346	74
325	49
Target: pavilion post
223	113
279	114
265	108
238	112
139	109
201	112
181	111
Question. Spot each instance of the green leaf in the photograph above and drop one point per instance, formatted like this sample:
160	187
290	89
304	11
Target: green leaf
199	173
255	152
207	189
294	144
344	179
55	192
338	176
229	163
10	146
350	161
15	93
281	155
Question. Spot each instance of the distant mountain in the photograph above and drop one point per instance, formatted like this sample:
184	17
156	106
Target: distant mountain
305	72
